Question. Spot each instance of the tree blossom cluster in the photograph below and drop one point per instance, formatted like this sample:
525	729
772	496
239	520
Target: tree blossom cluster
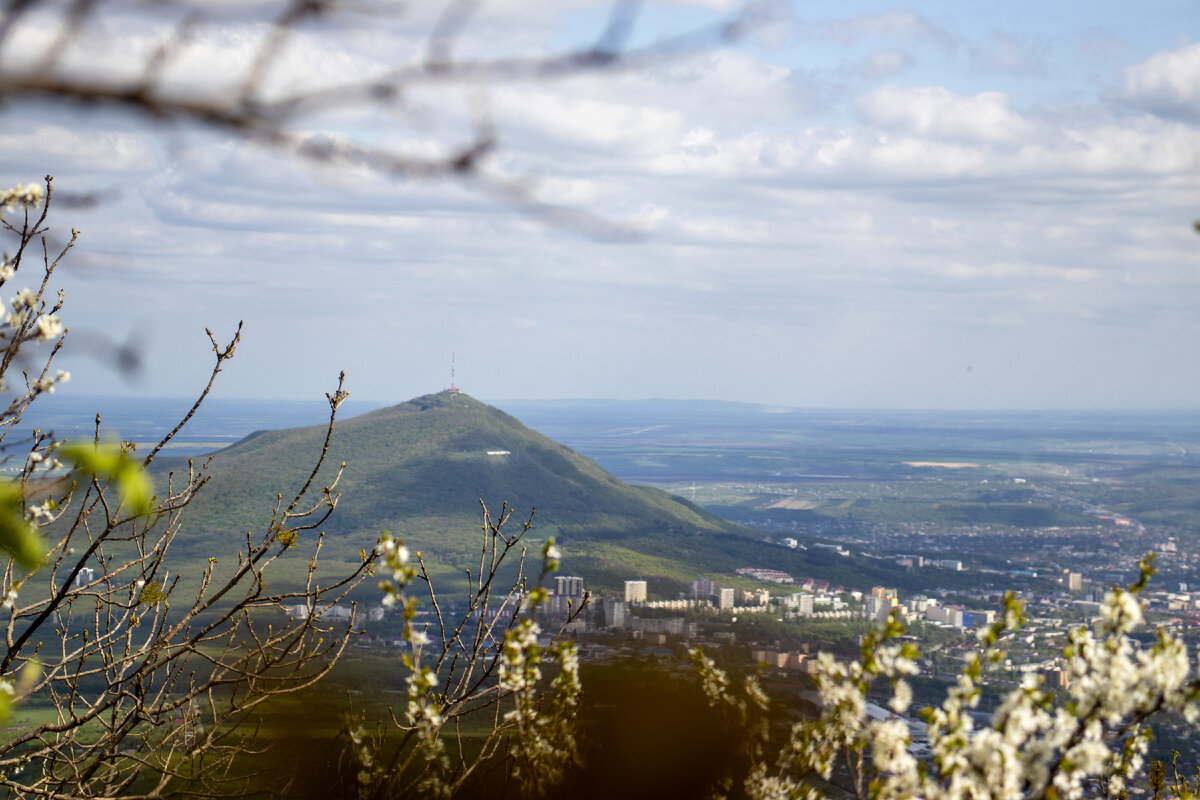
23	195
545	743
533	723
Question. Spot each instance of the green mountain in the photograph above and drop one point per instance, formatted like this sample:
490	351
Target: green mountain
420	470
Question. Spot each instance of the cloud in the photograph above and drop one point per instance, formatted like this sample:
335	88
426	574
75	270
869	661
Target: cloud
729	229
941	113
788	216
1009	54
588	121
622	121
894	23
1166	84
716	89
929	144
212	57
81	148
882	64
1011	271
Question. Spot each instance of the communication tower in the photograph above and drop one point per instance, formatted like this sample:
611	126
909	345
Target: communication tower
452	389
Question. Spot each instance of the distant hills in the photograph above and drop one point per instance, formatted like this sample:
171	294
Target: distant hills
420	469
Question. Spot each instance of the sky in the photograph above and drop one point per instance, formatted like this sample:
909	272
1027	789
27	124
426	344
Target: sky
863	205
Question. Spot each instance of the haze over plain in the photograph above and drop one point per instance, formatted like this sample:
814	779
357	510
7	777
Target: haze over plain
857	205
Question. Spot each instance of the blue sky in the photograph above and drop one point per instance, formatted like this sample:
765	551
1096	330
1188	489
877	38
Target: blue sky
935	205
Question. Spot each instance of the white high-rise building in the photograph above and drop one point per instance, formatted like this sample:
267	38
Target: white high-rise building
725	597
635	591
879	607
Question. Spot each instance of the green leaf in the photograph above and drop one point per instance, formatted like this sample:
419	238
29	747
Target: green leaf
106	462
17	536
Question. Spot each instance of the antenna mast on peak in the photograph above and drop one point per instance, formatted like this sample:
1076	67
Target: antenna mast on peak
452	389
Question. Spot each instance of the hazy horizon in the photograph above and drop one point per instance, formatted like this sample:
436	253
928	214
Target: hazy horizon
356	404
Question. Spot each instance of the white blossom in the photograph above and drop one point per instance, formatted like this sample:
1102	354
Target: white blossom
902	697
16	318
41	512
24	299
1120	613
761	786
49	327
50	382
23	194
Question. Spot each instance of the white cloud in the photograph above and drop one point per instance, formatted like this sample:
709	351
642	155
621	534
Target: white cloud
898	22
732	229
718	5
1167	84
59	148
914	138
941	113
1004	52
784	211
1013	271
882	64
910	157
212	58
720	90
586	121
700	152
